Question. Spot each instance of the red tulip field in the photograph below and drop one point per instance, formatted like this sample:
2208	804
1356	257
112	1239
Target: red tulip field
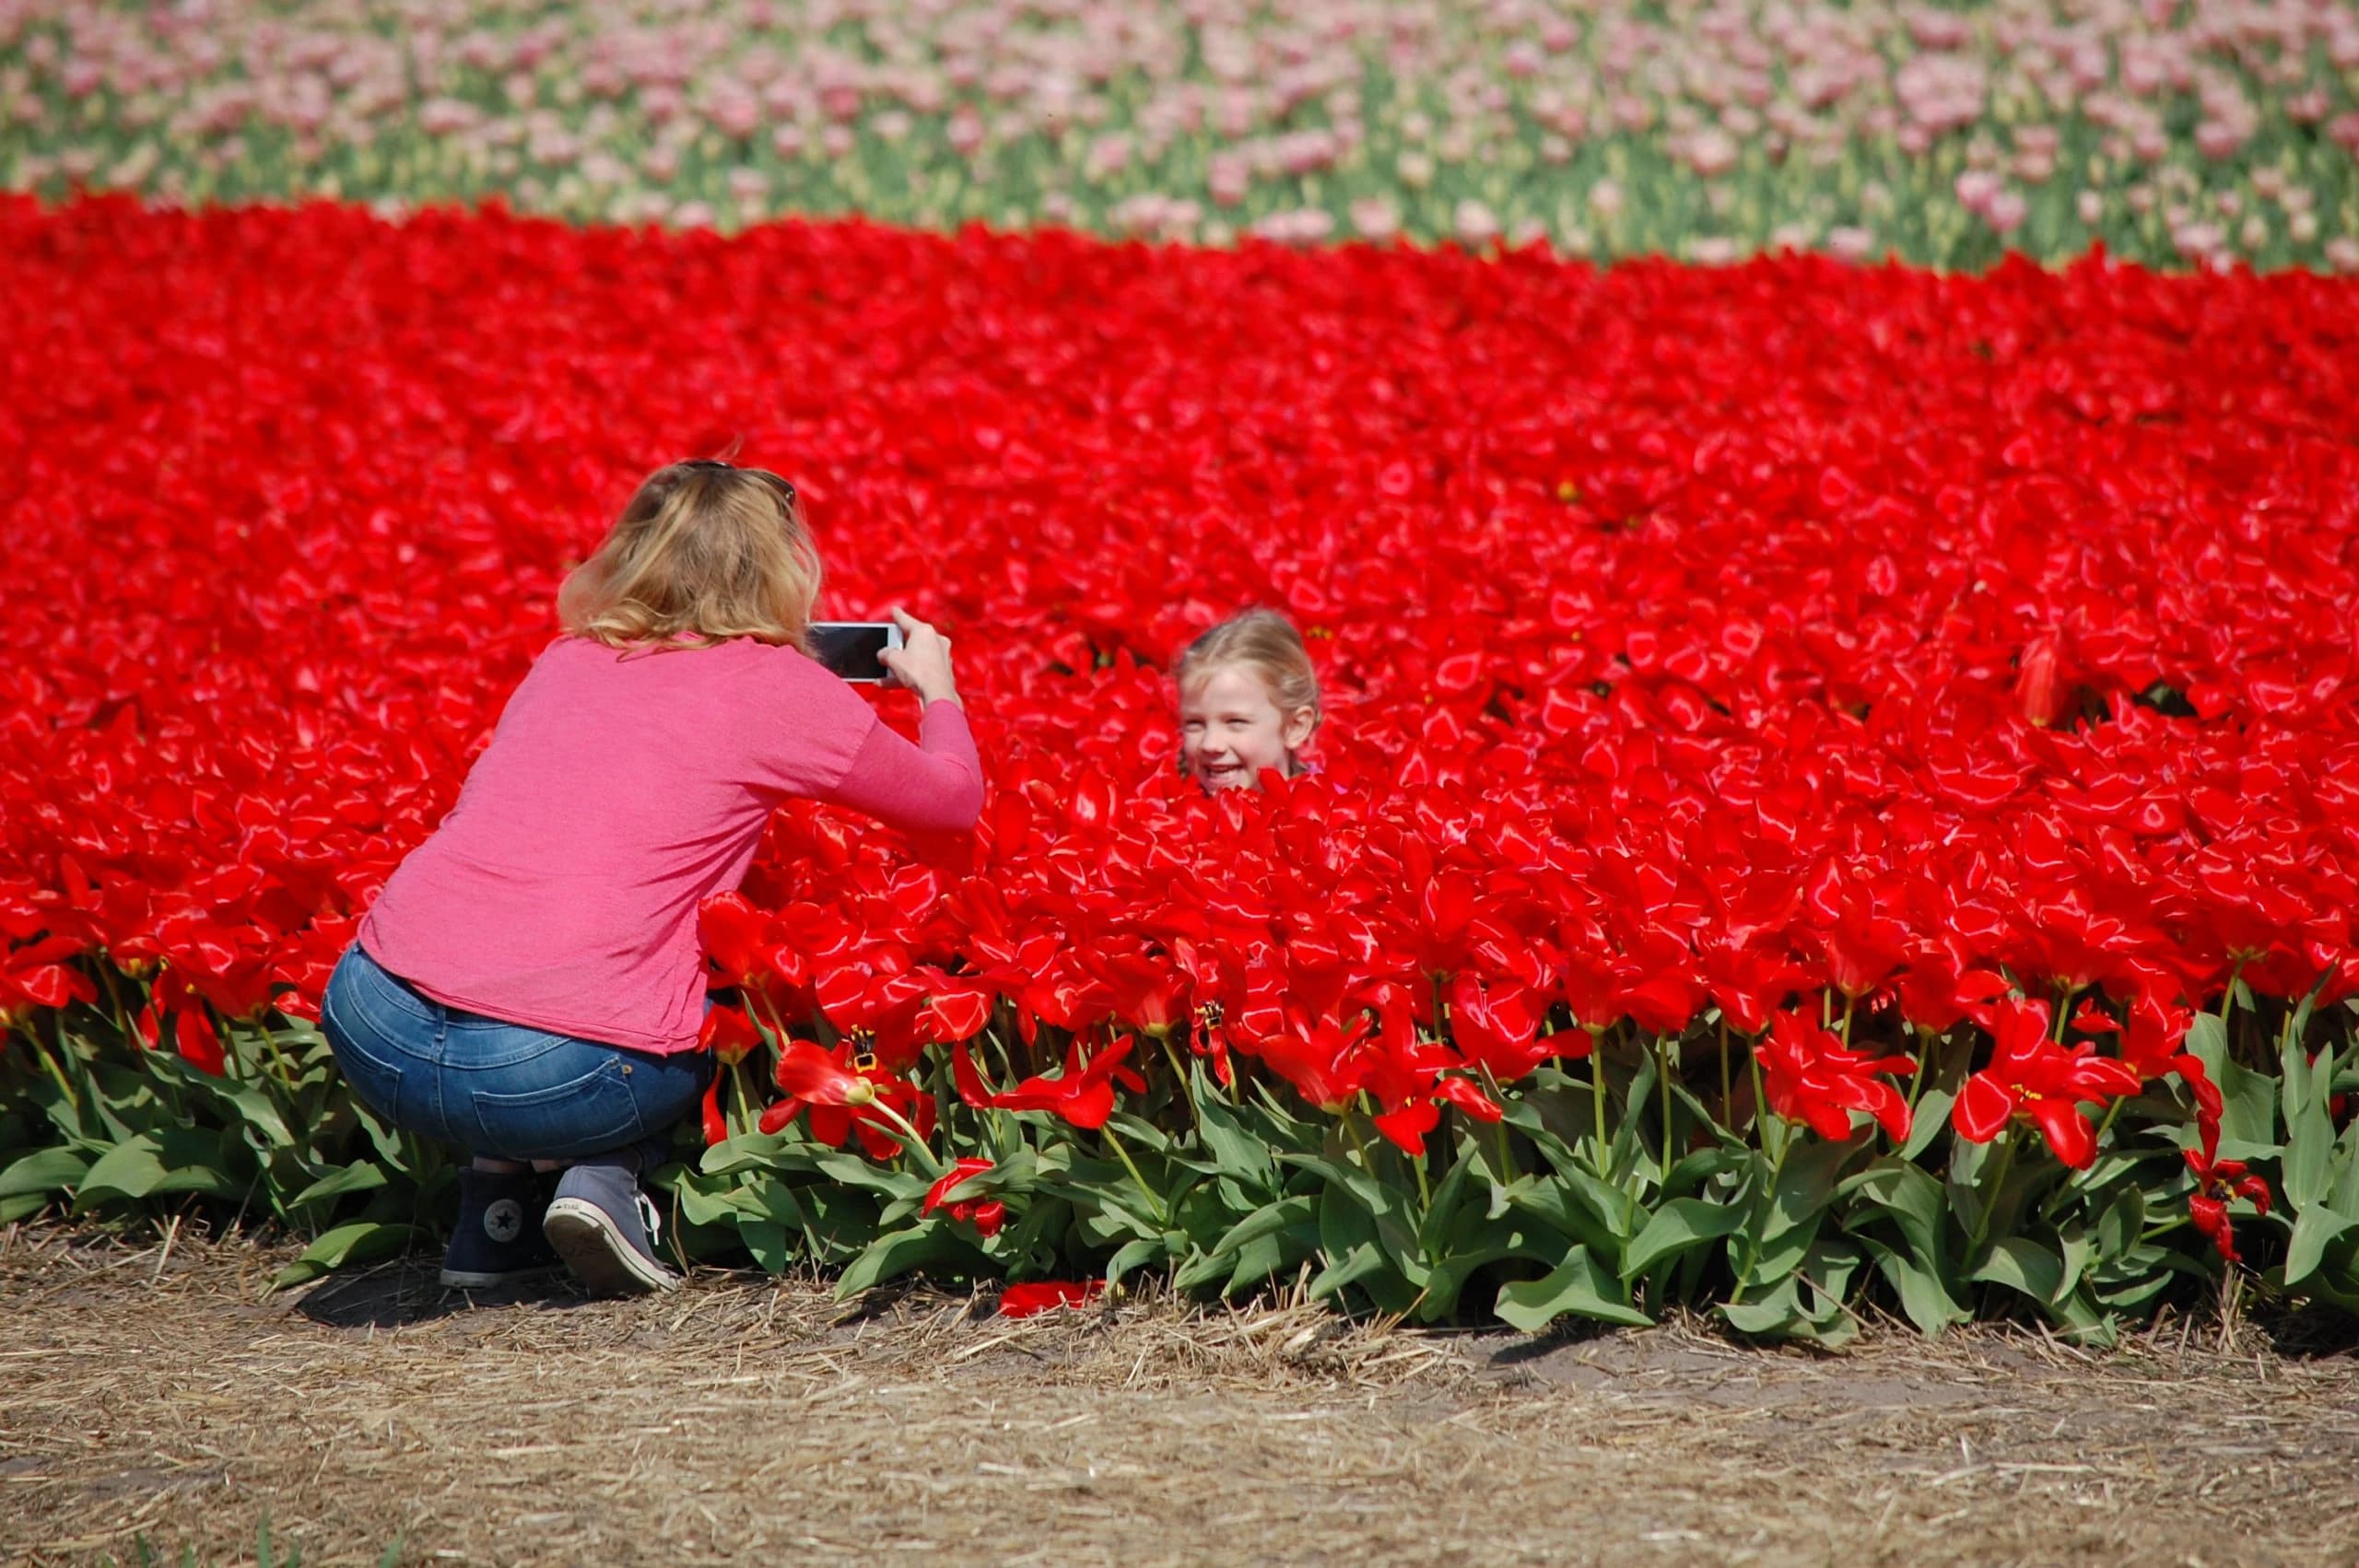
1834	791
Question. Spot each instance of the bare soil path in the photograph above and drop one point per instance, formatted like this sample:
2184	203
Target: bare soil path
156	1394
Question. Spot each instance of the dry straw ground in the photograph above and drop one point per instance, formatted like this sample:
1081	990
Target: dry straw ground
155	1392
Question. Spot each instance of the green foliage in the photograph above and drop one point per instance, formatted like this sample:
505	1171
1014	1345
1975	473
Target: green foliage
96	1129
1606	1192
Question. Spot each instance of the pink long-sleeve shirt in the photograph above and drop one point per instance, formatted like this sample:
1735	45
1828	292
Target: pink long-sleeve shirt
617	794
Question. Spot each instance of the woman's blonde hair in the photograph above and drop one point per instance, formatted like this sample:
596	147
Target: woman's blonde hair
1266	641
705	551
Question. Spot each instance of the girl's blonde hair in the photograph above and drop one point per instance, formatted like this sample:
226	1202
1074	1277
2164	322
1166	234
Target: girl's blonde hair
705	551
1266	641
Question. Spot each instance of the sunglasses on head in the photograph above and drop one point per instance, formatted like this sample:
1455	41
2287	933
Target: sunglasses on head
783	483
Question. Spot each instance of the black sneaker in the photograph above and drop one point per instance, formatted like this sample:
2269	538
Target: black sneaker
606	1229
499	1239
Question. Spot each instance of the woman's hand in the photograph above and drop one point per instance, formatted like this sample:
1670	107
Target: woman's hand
921	663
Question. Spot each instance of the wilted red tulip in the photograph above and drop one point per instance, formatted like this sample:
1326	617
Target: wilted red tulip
716	1127
1045	1295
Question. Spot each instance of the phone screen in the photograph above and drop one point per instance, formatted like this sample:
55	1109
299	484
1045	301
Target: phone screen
850	647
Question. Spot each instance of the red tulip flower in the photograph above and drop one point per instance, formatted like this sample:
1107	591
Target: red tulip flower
2036	682
1406	1128
2217	1183
2031	1075
815	1075
1468	1096
985	1214
1810	1076
32	976
1498	1027
193	1034
730	1034
2150	1045
1148	993
888	1113
1327	1062
1082	1096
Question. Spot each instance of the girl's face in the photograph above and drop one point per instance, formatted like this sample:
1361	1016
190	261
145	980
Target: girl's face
1230	729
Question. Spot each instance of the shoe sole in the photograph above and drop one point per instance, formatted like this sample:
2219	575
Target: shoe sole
594	1247
470	1280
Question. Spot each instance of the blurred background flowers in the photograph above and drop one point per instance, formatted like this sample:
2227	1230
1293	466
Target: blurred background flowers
2178	133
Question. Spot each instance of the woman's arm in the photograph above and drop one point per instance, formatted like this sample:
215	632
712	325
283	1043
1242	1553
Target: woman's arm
935	786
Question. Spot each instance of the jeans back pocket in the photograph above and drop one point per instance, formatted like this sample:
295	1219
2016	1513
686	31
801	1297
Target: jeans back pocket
589	1113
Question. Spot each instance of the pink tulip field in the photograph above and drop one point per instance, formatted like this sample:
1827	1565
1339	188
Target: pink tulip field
2179	134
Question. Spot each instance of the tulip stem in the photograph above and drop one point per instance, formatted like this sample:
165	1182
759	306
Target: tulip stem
1727	1092
1499	1128
912	1144
2105	1124
1925	1038
1597	1092
761	1013
114	997
1769	1203
745	1120
2228	1009
1849	1002
282	1068
1367	1161
1997	1180
1155	1204
1760	1103
1666	1050
170	1090
1187	1085
73	1100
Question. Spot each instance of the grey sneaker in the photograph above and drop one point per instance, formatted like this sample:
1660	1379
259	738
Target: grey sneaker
606	1231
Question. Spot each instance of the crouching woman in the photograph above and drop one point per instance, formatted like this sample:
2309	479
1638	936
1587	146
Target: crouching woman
529	985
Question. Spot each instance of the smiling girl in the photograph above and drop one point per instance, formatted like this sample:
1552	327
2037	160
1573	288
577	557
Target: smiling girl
1249	700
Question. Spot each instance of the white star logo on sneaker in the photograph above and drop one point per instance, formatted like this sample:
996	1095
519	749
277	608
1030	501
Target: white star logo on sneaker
504	1220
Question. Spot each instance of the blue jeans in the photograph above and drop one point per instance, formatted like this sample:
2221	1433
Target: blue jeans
500	1089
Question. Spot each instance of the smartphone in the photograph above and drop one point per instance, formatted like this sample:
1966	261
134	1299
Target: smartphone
850	647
